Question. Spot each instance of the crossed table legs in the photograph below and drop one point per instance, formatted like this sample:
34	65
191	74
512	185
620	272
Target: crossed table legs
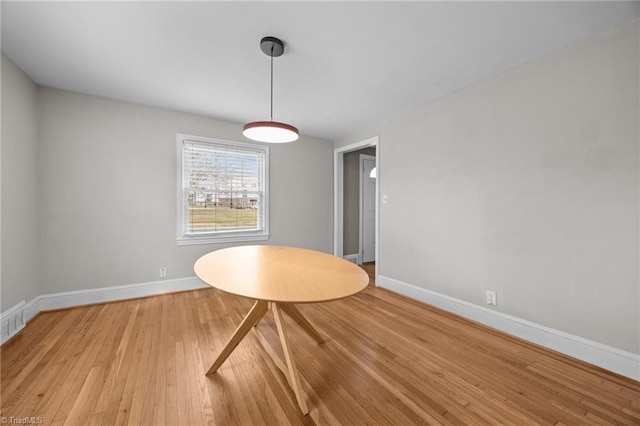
260	307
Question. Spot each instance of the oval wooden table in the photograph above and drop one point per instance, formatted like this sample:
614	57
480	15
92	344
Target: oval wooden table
278	277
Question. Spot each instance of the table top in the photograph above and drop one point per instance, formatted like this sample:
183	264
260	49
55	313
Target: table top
281	274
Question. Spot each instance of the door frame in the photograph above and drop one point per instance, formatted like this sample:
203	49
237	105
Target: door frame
361	204
338	194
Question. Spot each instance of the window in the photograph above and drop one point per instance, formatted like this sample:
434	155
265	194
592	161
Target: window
222	191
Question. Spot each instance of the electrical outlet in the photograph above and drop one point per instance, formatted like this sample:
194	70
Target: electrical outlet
492	298
163	272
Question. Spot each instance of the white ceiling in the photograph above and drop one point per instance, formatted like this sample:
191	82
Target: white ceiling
346	64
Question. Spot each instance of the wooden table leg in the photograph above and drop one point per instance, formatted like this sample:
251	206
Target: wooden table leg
255	314
288	355
300	319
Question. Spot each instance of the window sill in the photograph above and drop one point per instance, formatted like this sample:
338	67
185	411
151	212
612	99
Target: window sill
222	239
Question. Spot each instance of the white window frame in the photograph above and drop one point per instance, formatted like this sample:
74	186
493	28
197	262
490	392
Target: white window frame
183	238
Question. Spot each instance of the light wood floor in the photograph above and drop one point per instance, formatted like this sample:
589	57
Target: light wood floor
389	360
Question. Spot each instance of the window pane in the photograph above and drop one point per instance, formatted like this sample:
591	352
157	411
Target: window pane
222	187
215	211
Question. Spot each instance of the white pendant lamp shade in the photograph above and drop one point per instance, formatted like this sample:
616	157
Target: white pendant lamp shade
270	131
373	173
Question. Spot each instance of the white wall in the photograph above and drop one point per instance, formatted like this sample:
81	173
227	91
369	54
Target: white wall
20	195
108	185
526	183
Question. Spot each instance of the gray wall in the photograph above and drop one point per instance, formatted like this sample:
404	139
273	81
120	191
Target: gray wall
526	183
108	191
20	195
351	202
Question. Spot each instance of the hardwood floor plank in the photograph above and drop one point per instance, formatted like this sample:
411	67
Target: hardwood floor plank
20	364
387	360
79	415
69	361
171	409
114	362
162	346
370	269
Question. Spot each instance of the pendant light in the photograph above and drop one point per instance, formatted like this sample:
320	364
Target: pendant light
270	131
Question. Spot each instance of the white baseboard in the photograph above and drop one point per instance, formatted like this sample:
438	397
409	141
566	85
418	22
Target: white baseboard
354	258
14	319
607	357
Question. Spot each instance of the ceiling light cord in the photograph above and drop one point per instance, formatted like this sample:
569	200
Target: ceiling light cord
272	82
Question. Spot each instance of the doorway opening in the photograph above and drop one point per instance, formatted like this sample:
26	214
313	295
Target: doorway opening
367	208
356	204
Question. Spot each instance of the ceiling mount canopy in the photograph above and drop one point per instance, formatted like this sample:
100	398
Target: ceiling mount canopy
270	131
